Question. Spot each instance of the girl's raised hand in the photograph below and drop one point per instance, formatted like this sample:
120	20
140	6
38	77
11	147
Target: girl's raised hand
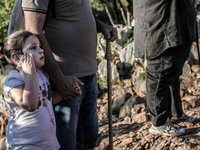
28	65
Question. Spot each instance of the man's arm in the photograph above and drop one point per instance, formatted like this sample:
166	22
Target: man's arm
34	22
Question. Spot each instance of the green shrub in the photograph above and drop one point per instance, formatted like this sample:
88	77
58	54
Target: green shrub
5	11
102	81
136	64
129	39
142	76
1	90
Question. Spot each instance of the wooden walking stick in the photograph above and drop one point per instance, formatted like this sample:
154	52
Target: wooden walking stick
109	85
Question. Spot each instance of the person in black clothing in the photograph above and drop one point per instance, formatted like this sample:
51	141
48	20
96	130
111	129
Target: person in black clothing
163	34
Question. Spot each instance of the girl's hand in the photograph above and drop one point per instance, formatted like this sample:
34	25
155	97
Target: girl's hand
28	65
76	86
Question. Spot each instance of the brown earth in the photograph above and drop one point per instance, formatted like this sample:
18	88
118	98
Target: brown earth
131	132
135	136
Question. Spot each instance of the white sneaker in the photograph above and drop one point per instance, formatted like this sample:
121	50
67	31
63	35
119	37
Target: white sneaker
167	129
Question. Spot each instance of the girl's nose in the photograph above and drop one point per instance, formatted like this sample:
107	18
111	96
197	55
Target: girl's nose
41	50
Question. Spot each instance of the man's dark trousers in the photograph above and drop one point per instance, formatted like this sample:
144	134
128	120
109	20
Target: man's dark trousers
163	86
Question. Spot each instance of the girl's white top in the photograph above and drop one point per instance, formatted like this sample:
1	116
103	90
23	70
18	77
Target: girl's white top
31	130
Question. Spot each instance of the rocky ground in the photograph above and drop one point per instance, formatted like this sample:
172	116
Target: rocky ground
131	122
128	135
131	132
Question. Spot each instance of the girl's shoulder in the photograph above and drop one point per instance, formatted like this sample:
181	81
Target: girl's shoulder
14	78
14	72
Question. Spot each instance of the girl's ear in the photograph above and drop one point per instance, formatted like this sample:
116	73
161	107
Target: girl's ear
15	58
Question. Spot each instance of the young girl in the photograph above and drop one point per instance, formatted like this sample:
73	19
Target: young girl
28	95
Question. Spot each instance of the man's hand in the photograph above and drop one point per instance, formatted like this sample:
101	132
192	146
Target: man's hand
65	87
108	31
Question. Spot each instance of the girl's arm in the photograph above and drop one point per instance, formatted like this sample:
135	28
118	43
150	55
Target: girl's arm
27	96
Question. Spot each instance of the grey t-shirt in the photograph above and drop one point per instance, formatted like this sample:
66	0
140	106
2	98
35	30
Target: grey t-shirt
71	34
160	24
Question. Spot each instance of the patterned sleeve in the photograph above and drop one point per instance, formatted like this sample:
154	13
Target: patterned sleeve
40	6
13	79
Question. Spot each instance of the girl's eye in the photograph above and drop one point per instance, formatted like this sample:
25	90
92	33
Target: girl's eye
34	47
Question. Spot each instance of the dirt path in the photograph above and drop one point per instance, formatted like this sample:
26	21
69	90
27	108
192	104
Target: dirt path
135	136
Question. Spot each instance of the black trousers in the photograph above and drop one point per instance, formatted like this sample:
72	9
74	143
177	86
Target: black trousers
162	83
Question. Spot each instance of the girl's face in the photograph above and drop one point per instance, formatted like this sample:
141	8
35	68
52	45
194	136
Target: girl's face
32	46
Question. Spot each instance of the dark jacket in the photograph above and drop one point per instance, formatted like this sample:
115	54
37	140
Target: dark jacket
160	24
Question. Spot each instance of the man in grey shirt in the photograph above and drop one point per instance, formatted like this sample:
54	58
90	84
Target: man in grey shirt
163	33
70	37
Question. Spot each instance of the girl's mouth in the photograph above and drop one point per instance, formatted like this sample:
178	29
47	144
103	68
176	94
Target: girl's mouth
42	58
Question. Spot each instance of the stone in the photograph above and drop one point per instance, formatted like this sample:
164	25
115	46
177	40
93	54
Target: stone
117	91
103	145
138	82
195	102
139	86
120	68
3	143
139	118
119	102
195	68
186	71
126	108
186	105
127	54
127	83
3	105
123	33
102	71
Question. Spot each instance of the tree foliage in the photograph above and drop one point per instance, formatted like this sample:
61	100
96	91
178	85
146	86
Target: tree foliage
118	10
113	11
5	11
